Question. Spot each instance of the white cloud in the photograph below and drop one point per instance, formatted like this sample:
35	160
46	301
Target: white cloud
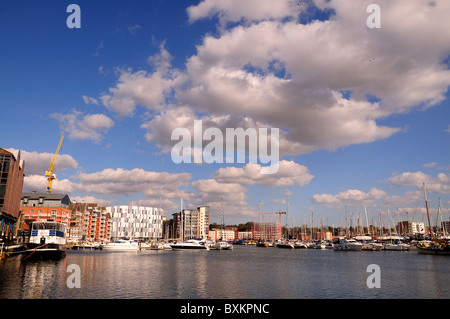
91	199
82	127
39	183
319	60
313	81
90	100
231	196
236	10
150	90
439	184
289	174
38	163
350	197
429	165
118	181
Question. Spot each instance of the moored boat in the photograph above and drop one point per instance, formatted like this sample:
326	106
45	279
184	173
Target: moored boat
191	244
223	245
122	244
299	245
434	247
286	244
346	244
262	243
47	241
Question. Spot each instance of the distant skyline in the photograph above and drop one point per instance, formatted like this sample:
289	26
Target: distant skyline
363	112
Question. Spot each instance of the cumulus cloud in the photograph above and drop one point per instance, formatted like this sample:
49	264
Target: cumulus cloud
439	184
121	181
231	196
229	186
289	174
83	127
39	183
91	199
38	163
350	197
118	181
326	84
250	10
148	89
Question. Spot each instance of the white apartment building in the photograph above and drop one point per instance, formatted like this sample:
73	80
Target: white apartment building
137	222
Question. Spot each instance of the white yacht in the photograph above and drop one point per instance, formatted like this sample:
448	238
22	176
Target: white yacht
122	244
299	244
190	244
223	245
368	243
286	244
346	244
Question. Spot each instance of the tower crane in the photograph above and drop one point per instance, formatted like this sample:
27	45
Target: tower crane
277	213
49	174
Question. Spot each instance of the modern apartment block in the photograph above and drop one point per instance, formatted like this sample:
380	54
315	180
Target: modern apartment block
190	223
138	222
411	228
11	183
90	223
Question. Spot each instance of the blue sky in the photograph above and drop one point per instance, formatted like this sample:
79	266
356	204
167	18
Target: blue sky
364	113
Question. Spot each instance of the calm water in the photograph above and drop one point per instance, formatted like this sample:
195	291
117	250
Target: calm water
246	272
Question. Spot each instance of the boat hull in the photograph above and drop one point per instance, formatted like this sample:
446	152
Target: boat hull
286	246
117	248
49	252
433	251
188	247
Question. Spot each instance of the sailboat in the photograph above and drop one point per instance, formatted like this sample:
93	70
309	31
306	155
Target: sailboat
190	244
261	242
223	244
433	246
286	243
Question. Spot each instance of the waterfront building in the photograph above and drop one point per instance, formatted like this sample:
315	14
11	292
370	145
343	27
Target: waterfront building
411	228
90	223
245	235
138	222
445	227
190	223
269	231
11	183
45	206
223	234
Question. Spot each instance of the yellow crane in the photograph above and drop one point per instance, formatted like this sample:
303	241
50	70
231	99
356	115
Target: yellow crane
49	174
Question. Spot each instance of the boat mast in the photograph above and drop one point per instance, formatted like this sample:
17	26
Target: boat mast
428	213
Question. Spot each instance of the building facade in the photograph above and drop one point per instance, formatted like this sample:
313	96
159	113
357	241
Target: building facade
270	231
90	223
223	234
138	222
190	223
11	183
411	228
44	206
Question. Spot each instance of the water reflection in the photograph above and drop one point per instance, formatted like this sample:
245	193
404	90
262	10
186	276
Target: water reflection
245	272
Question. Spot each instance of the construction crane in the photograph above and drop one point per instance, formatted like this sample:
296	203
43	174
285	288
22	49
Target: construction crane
49	174
277	213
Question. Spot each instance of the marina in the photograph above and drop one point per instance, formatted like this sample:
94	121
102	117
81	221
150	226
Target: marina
247	271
